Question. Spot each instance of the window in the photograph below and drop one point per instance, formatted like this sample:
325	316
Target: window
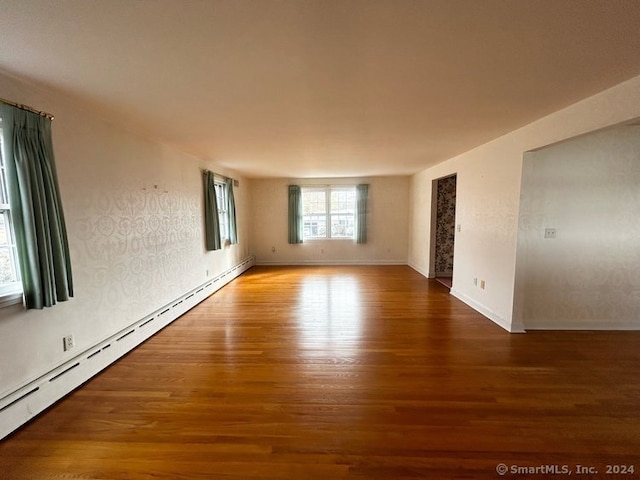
9	270
328	212
223	217
314	211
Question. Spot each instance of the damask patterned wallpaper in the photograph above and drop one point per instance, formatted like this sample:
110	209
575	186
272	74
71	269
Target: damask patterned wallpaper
134	215
445	225
138	247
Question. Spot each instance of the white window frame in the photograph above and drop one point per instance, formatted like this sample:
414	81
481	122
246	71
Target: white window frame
328	213
10	292
223	204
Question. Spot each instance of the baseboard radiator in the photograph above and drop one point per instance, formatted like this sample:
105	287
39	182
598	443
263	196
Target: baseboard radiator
21	405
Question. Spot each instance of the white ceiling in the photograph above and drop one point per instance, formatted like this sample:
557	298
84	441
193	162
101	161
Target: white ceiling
304	88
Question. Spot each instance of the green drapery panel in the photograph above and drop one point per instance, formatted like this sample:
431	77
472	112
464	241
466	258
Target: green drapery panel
231	212
362	192
211	222
295	214
36	208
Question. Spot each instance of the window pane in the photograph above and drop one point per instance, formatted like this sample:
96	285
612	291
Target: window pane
314	209
338	221
342	226
314	202
6	266
221	197
343	208
4	233
8	272
8	257
221	200
315	226
343	201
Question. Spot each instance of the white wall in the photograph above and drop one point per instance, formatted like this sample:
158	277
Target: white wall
135	222
588	190
488	198
387	224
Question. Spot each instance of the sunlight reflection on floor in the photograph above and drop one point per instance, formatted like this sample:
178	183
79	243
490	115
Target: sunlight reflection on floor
330	313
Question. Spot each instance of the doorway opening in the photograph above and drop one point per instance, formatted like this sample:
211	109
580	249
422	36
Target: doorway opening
443	229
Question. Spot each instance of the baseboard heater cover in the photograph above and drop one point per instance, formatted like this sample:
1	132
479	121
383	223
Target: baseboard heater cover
24	403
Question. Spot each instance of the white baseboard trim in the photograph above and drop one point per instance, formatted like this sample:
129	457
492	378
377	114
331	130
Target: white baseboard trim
421	271
24	403
495	318
585	326
262	263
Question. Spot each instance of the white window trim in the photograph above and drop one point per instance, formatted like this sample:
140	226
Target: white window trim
10	293
327	189
222	212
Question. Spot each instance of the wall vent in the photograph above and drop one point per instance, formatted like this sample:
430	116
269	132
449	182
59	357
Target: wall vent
64	372
144	323
19	399
125	335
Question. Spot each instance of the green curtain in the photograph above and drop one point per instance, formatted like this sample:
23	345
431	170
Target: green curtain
231	212
361	213
36	208
295	214
211	222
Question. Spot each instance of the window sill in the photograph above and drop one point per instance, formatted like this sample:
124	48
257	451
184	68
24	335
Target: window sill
10	295
325	239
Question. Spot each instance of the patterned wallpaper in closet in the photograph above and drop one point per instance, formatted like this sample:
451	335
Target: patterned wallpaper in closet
445	225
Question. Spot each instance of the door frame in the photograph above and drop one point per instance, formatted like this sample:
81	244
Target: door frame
434	220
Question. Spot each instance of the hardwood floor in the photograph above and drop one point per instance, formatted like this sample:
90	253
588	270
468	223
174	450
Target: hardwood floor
342	372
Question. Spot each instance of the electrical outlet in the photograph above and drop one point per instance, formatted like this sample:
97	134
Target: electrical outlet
549	233
475	281
68	343
482	284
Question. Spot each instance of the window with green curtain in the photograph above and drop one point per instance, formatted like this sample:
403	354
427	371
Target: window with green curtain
295	214
222	204
36	207
211	222
328	211
362	192
10	284
231	212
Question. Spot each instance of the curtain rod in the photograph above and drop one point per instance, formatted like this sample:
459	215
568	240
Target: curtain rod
28	109
205	171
